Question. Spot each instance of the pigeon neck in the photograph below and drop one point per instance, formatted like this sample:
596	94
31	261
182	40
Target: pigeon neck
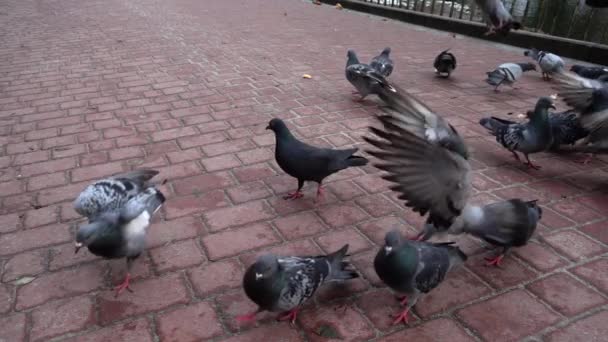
540	116
526	66
352	59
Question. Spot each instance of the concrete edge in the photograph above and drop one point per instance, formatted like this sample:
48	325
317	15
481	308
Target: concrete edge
570	48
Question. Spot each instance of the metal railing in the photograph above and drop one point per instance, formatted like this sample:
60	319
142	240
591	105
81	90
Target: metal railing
562	18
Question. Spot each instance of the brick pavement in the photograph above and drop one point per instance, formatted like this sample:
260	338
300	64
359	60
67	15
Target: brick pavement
90	88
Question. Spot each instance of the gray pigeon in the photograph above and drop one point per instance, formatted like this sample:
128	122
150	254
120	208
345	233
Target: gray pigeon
119	210
531	137
549	63
306	162
426	160
362	76
382	63
593	73
414	268
285	283
497	17
504	224
445	63
508	73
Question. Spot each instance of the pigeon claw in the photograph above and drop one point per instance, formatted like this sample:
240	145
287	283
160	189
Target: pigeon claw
496	261
402	317
125	285
402	300
289	316
247	318
532	166
319	194
294	195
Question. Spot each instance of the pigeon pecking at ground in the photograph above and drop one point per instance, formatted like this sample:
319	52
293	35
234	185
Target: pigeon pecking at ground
362	76
497	17
414	268
593	73
119	210
285	283
382	63
506	224
508	73
445	63
549	63
534	136
427	161
306	162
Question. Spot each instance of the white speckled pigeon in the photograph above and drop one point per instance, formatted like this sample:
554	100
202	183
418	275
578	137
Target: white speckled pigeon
382	63
414	268
285	283
306	162
507	73
497	17
549	63
362	76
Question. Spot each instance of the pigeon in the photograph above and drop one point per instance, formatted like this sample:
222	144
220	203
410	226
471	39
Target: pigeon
565	126
119	210
382	63
284	283
505	224
497	17
508	73
306	162
414	268
534	136
445	63
590	72
593	3
549	63
362	76
426	160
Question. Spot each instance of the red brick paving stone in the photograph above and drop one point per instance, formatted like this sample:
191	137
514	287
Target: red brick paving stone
192	323
576	211
299	225
6	299
552	220
345	190
574	245
595	201
25	264
253	172
334	240
377	205
348	322
216	277
10	222
566	294
280	332
508	317
539	256
185	205
590	329
234	303
176	255
431	331
33	238
509	273
380	306
364	264
40	217
13	328
376	230
232	242
598	230
219	219
595	272
62	316
248	192
60	284
63	256
132	331
202	183
227	161
341	214
152	294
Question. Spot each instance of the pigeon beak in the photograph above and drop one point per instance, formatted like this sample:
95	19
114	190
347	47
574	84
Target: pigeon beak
268	127
258	276
388	250
78	246
552	106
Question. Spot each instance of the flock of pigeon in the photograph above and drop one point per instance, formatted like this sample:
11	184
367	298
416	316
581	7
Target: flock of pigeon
421	154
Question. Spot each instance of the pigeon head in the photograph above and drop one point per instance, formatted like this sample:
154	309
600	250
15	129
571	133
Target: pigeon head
352	57
544	103
576	68
87	233
531	53
265	267
386	51
277	126
392	239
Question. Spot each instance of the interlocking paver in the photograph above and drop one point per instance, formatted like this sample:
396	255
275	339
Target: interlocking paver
92	88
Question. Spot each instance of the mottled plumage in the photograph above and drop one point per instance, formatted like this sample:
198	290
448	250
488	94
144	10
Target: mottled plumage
507	73
285	283
445	63
549	63
382	63
497	18
414	268
362	76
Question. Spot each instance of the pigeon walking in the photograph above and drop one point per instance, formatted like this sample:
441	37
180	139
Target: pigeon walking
508	73
382	63
531	137
362	76
549	63
593	73
119	210
504	224
414	268
306	162
497	17
285	283
445	63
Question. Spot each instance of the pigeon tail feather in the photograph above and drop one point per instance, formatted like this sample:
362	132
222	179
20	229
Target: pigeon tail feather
339	267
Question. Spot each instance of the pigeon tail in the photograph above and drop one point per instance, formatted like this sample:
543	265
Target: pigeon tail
142	175
338	270
356	161
495	77
457	256
494	124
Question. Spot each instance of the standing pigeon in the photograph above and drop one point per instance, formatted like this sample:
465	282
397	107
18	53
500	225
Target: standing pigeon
119	210
497	17
285	283
508	73
382	63
309	163
531	137
549	63
592	73
445	63
362	76
505	224
414	268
